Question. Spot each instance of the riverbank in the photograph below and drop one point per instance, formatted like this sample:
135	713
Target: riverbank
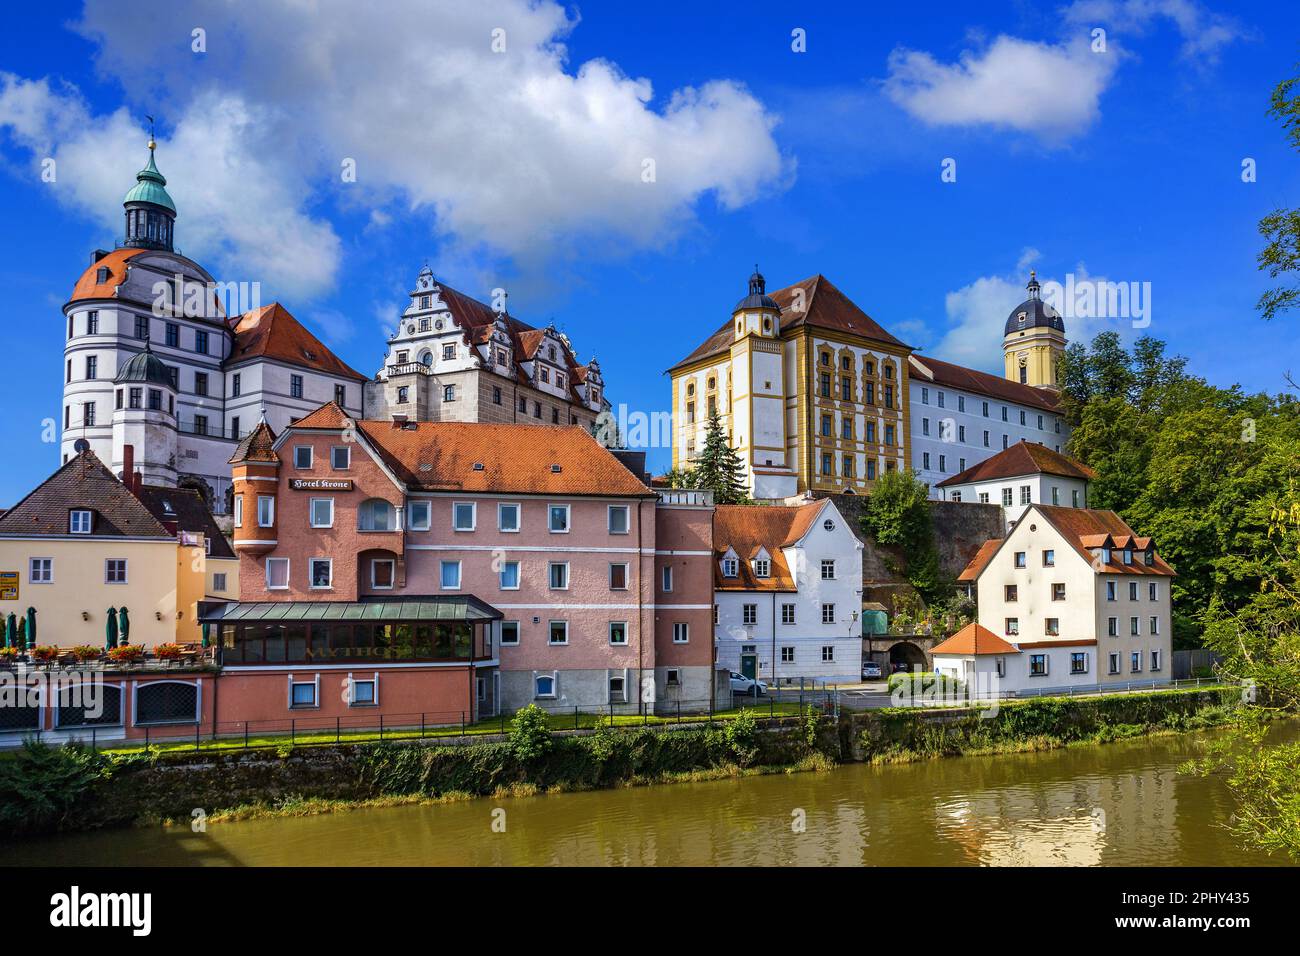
45	789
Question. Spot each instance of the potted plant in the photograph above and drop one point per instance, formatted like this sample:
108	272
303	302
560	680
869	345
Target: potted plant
126	654
84	653
9	656
167	652
45	654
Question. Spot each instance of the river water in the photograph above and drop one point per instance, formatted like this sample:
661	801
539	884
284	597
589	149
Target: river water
1119	804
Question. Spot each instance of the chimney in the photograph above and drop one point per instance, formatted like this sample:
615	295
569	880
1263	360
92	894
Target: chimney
128	467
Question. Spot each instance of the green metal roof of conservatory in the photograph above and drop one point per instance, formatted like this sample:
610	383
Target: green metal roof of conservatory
458	607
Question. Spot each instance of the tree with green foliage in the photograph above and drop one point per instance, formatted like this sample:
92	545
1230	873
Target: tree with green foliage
530	734
1281	227
680	478
719	468
898	515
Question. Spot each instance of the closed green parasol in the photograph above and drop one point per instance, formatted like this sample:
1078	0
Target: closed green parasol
207	637
110	629
123	626
11	632
31	628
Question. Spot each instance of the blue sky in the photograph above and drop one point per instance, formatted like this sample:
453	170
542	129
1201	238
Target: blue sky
523	168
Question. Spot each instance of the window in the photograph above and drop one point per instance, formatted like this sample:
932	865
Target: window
1153	591
1134	626
449	393
1013	626
828	653
1132	591
167	702
403	395
1006	497
762	568
1020	559
200	383
321	511
239	511
201	342
219	581
666	582
419	515
1078	663
1110	590
277	574
265	511
617	690
943	463
1155	660
558	519
1056	495
449	575
340	395
362	693
1112	627
1135	662
1024	494
508	576
507	517
787	613
1037	665
730	567
295	386
141	327
1113	660
559	632
510	632
986	439
828	613
1010	593
92	366
40	571
382	573
115	571
749	614
463	516
88	413
828	569
1155	625
322	572
79	521
618	577
1052	626
1074	498
558	575
234	427
681	632
787	655
302	694
1058	592
618	632
155	404
200	421
376	515
544	686
618	519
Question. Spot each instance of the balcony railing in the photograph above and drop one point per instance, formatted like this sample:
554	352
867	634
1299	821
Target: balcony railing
209	430
410	368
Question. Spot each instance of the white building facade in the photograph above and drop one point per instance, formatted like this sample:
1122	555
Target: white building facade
1025	474
1071	598
787	592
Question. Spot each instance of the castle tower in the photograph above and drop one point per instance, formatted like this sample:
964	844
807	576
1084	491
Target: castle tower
150	212
757	373
1033	342
255	470
144	418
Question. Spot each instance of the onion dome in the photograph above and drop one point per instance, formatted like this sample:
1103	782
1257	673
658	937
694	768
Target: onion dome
758	297
144	368
1033	313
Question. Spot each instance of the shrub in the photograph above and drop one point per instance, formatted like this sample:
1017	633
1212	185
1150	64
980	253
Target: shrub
530	734
7	654
126	654
45	654
741	736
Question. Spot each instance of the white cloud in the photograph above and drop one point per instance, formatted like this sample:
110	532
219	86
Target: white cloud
1050	90
1204	33
506	154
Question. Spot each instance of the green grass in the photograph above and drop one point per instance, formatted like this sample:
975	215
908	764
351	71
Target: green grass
491	725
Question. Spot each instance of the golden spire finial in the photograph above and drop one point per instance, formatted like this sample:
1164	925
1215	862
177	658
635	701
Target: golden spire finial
152	144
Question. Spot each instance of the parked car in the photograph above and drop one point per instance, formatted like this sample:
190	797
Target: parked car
871	671
740	684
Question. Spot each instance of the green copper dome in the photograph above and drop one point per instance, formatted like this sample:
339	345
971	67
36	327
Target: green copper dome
144	367
150	187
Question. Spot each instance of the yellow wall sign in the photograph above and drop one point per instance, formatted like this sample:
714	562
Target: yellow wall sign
8	585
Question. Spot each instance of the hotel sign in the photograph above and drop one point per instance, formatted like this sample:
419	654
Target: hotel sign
8	585
320	484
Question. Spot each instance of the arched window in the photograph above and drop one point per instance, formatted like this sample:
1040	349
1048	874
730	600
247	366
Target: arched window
377	515
167	702
78	708
426	358
544	686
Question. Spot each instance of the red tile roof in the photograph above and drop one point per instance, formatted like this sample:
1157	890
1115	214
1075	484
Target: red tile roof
117	261
824	307
1087	528
84	482
975	640
257	445
329	416
932	370
272	332
982	557
1022	458
746	529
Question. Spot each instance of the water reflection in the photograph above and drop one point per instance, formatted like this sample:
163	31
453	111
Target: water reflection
1122	804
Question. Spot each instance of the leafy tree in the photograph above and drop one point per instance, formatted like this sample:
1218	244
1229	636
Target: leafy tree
1281	227
719	468
530	734
898	515
681	478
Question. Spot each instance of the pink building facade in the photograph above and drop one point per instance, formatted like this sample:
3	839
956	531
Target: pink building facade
449	567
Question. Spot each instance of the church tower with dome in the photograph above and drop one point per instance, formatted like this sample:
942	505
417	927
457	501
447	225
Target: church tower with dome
1033	342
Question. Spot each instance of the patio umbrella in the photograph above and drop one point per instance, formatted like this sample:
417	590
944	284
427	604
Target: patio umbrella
110	630
11	632
4	634
31	628
207	640
123	625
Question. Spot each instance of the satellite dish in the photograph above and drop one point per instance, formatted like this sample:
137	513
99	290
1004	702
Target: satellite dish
80	445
